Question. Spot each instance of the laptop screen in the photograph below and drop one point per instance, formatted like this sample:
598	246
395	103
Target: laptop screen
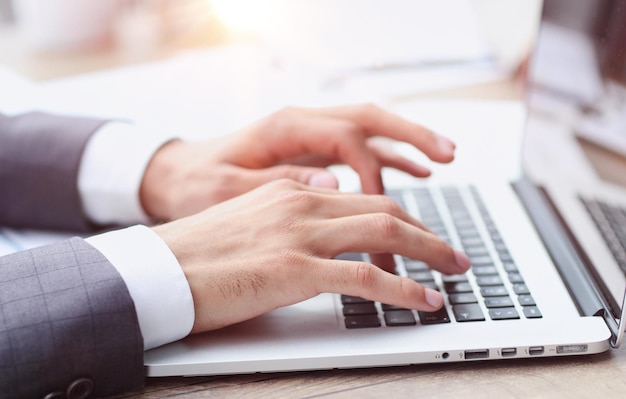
577	88
578	69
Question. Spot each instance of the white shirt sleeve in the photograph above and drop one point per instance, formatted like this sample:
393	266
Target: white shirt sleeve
111	170
109	178
155	281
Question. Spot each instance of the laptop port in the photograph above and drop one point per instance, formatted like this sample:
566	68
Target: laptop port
477	354
535	350
508	352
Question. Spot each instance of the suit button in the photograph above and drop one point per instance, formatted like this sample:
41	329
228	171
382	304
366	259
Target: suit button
80	389
55	395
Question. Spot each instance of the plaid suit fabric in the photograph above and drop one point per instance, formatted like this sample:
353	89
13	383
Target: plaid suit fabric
65	313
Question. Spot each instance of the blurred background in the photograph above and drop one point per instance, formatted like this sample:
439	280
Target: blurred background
46	39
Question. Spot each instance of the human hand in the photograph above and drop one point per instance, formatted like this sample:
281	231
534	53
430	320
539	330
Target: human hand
296	143
274	246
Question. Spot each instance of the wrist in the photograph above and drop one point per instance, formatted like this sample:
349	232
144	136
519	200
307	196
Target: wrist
156	191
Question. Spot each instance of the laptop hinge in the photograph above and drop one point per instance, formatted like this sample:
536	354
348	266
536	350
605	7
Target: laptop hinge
573	266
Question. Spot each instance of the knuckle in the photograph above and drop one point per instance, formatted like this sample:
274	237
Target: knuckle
365	275
388	205
292	197
386	225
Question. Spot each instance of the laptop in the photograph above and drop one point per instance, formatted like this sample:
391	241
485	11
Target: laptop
547	252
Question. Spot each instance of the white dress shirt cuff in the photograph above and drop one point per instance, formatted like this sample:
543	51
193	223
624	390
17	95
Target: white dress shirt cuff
155	281
111	171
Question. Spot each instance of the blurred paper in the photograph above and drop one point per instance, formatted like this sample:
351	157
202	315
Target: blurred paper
347	34
392	85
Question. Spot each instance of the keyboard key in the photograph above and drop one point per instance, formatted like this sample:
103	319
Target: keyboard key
488	280
498	302
468	312
386	307
503	314
453	288
359	308
495	290
515	278
353	299
472	242
395	318
362	321
438	317
484	270
454	278
465	297
420	276
510	267
532	312
476	251
480	260
526	300
520	289
414	265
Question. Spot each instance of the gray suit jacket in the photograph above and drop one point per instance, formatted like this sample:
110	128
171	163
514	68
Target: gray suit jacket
68	325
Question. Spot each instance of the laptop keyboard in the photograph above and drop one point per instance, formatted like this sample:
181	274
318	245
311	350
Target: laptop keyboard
611	221
493	289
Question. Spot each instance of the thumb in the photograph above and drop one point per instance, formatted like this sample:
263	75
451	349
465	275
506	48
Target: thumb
315	177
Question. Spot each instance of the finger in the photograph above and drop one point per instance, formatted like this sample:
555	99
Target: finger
368	281
389	158
383	233
333	204
294	136
378	122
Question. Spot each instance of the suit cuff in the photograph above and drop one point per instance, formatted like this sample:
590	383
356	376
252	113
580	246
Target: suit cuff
155	280
111	171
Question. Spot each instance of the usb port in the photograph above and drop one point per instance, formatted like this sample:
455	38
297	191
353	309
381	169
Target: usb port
508	352
477	354
535	350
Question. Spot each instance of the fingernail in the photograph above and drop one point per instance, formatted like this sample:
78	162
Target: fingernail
462	261
323	179
433	298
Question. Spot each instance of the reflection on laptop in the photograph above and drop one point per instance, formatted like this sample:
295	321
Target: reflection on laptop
547	278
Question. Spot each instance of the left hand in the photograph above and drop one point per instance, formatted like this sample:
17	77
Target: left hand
296	143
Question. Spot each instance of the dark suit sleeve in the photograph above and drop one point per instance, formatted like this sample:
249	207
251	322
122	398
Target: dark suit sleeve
39	160
67	322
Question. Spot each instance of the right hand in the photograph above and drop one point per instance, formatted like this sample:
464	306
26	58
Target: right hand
275	245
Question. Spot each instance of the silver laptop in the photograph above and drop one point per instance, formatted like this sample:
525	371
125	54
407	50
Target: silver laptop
547	251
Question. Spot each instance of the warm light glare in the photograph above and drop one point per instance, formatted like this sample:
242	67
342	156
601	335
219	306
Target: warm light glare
245	15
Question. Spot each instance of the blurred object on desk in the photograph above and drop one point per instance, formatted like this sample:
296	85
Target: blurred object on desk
361	34
6	12
140	31
65	25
